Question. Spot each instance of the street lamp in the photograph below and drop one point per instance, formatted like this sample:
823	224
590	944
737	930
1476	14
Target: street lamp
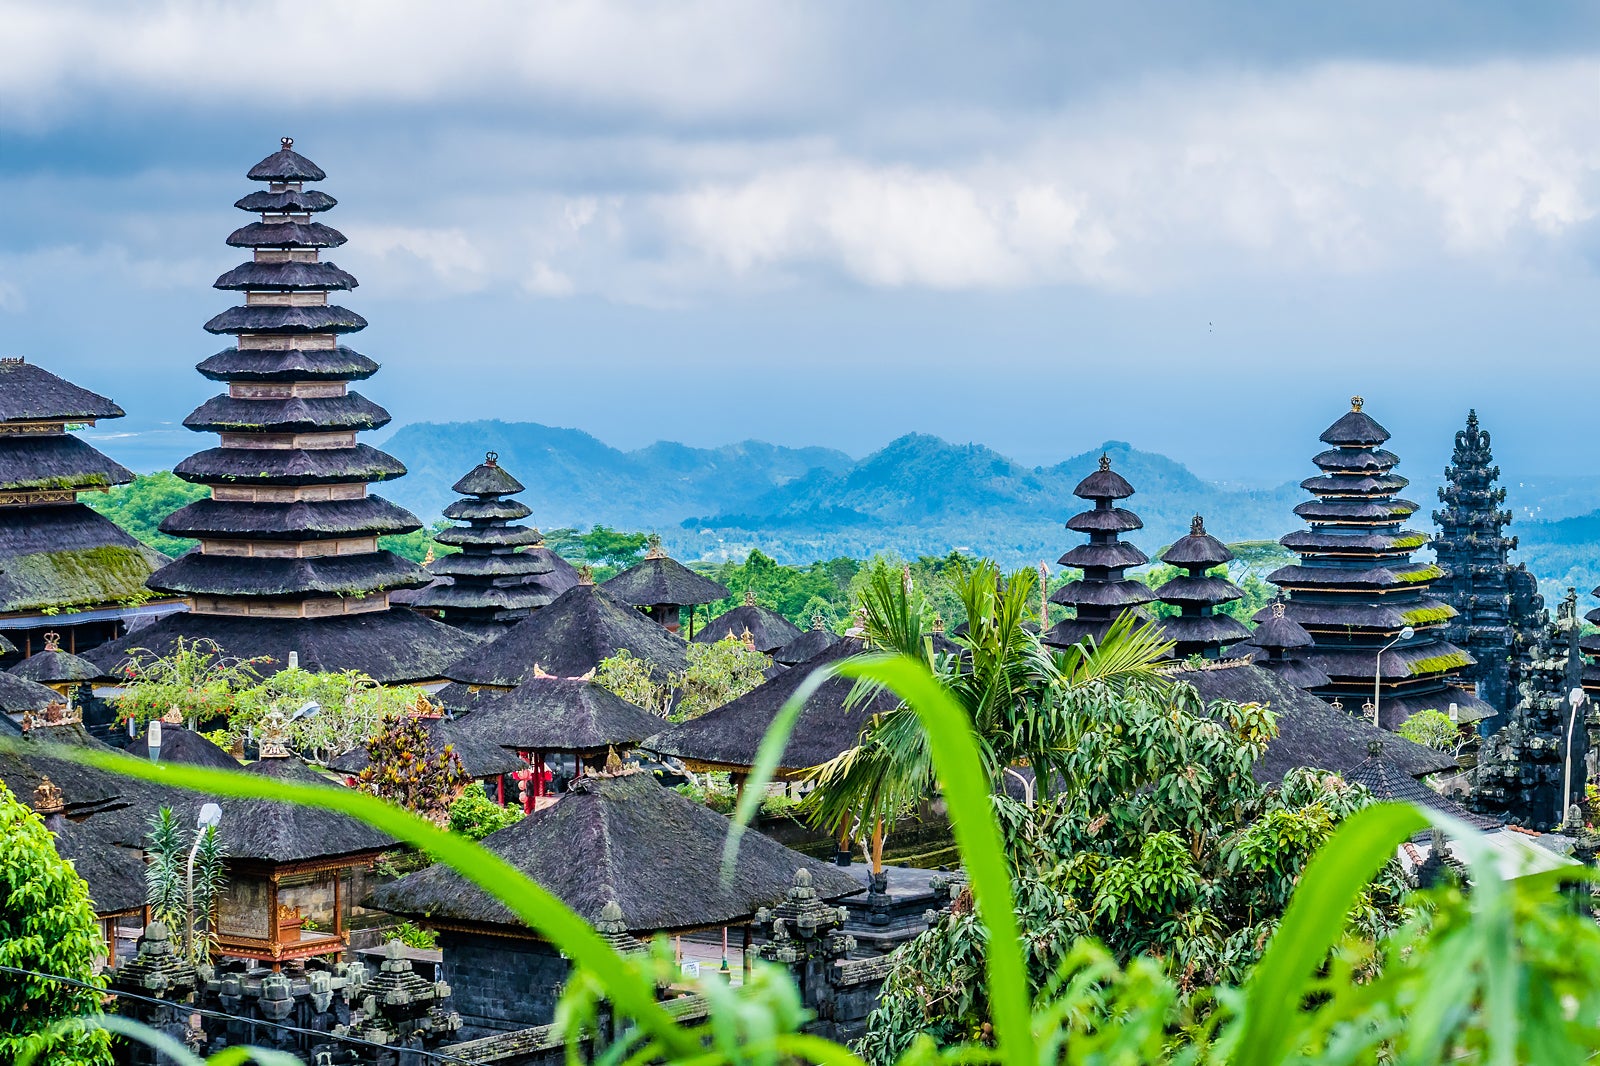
210	816
152	739
1576	698
1377	674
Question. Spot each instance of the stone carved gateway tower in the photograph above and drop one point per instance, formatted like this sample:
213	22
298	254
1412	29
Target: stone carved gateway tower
288	558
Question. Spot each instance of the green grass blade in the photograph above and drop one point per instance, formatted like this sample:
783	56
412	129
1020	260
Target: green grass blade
632	992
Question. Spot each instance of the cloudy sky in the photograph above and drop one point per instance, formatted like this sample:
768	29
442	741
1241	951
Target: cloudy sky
1198	227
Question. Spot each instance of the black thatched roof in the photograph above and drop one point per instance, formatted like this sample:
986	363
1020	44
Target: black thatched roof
570	637
67	554
300	520
1387	781
660	579
466	564
1363	485
1364	460
283	277
225	414
225	575
807	645
1114	554
488	478
30	393
289	466
268	831
18	695
184	746
1345	541
482	510
1356	429
1384	616
327	318
292	364
626	838
1353	509
731	734
1104	484
6	647
496	536
115	874
767	628
285	235
1190	631
1311	733
1198	550
286	165
54	665
479	757
1277	630
559	714
392	647
1393	710
289	201
27	761
56	461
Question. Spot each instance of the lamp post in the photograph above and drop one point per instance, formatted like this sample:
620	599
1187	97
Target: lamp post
1377	673
210	816
152	739
1575	698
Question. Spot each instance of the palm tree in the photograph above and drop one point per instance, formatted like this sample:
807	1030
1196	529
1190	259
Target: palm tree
1017	694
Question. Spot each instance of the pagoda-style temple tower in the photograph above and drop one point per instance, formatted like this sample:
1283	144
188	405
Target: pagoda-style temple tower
1198	629
1591	650
1497	604
288	561
1280	640
63	567
487	588
1103	594
1356	588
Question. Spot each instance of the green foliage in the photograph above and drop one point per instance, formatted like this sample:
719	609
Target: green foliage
47	925
418	543
414	936
796	592
196	678
1433	729
474	815
1257	593
167	883
139	506
406	768
354	708
715	674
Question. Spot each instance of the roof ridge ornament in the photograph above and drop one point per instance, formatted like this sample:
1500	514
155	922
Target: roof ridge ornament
586	574
816	619
52	641
491	458
48	798
1197	526
1105	461
1277	608
653	541
1356	403
287	142
749	597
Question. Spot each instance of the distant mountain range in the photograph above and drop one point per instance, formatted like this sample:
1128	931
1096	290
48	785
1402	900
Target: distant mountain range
917	495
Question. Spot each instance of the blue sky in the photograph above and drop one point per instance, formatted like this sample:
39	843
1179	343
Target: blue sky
1198	227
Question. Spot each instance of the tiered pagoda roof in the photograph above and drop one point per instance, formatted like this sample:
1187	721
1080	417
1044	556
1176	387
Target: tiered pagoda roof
1103	594
288	557
569	638
62	565
1281	640
660	585
559	715
1356	586
1198	629
1496	603
1591	649
768	629
487	585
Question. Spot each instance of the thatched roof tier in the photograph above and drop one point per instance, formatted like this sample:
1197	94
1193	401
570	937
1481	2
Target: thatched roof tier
1388	783
19	695
286	235
225	414
1404	661
286	165
1197	552
1355	485
1198	629
479	758
560	714
1328	614
1356	511
1363	460
730	735
629	841
56	461
1125	592
115	874
1396	573
281	833
476	510
1293	671
487	565
300	520
768	629
66	555
1276	629
30	393
1311	732
1070	631
198	574
1104	484
1105	520
284	277
561	576
490	537
808	645
392	647
663	580
288	364
289	466
1202	633
52	666
444	594
185	746
1356	429
1111	555
1359	542
570	637
488	478
1199	591
327	318
289	201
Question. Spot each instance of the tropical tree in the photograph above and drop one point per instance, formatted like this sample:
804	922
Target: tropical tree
350	708
197	678
167	881
715	674
405	767
47	931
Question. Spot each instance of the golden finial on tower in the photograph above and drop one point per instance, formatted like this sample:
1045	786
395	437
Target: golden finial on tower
749	597
52	641
1105	461
656	550
1356	402
1197	526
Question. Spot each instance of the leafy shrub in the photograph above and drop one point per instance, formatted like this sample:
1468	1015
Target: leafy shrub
475	815
414	936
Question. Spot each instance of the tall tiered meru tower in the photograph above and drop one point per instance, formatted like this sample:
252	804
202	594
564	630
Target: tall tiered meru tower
1356	588
288	558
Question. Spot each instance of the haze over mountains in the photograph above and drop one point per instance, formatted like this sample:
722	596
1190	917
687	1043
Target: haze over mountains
916	495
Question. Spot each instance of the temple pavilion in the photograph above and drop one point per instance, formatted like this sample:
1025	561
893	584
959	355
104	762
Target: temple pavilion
63	567
288	562
1197	628
1356	588
769	631
487	586
808	645
1103	593
661	587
